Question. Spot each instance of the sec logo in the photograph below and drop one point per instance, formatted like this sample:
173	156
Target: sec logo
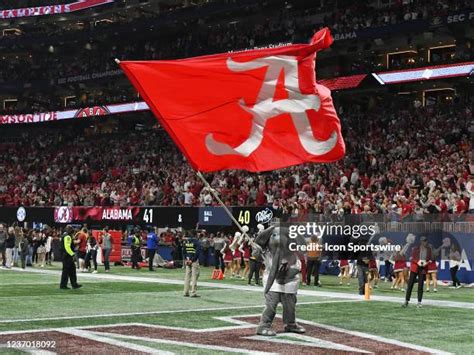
21	214
63	214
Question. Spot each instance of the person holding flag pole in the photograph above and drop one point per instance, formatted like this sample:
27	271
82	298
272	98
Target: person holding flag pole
256	110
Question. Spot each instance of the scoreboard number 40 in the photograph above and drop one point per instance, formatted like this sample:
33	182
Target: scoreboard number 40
244	217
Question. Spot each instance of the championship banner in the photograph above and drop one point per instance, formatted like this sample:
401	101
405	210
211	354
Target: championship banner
51	9
91	76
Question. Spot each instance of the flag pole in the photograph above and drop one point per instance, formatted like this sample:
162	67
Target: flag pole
214	193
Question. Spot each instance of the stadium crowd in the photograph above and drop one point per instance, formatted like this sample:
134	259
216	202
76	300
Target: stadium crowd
414	160
214	32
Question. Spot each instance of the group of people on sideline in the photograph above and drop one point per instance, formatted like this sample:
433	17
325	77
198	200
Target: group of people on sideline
25	247
234	255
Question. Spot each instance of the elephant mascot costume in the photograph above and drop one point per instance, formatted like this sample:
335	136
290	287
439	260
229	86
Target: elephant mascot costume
281	277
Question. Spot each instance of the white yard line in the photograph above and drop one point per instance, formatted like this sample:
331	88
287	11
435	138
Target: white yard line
183	343
241	324
35	351
375	337
316	293
108	315
314	342
94	336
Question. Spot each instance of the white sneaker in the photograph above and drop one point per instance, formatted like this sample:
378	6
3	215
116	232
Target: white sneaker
435	290
94	272
458	286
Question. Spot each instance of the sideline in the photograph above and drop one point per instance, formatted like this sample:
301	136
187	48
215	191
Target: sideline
316	293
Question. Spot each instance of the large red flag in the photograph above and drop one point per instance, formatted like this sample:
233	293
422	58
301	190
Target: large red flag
255	110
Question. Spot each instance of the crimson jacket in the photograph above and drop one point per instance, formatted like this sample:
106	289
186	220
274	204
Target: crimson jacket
415	257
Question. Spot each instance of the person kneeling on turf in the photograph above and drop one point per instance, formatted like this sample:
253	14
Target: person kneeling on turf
281	279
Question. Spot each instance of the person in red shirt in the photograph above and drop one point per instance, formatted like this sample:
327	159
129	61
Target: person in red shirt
421	256
80	240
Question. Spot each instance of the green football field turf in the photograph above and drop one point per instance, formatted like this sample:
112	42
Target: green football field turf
34	301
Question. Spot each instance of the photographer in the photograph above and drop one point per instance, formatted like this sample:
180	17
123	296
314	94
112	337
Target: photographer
420	257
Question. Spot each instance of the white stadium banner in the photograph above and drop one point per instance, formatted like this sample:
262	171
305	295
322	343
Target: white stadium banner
426	73
394	77
87	112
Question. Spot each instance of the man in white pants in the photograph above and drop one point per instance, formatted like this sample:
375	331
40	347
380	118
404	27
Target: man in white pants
9	246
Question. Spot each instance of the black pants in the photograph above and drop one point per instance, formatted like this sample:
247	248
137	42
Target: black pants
254	267
411	282
107	258
362	270
23	256
69	272
151	256
205	256
219	260
455	279
312	268
91	255
388	270
135	257
34	258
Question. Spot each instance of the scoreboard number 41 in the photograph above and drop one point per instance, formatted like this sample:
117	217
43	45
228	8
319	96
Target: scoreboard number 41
148	215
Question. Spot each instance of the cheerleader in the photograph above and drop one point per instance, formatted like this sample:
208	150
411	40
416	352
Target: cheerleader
345	274
236	255
432	273
399	269
432	276
227	252
373	273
